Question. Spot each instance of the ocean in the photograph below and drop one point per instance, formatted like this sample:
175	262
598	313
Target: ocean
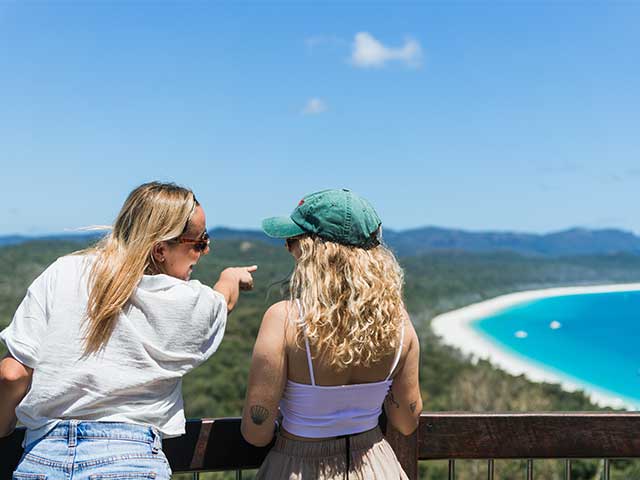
591	339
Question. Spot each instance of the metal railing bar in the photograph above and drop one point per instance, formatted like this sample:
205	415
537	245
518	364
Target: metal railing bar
530	469
452	469
606	469
490	468
567	469
196	475
238	474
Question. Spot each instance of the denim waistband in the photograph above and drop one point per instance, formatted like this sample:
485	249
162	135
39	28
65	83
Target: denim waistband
75	429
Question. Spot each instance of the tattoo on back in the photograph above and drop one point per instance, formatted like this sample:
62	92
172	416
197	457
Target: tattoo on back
259	414
412	406
391	400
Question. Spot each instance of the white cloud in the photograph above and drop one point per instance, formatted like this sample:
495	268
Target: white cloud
314	106
370	53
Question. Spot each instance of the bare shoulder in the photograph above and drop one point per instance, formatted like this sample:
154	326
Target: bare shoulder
277	315
278	311
410	335
272	335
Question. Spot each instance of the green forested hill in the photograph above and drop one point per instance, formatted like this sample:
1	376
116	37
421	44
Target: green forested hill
434	283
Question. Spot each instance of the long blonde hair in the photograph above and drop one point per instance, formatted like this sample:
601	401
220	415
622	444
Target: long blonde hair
351	301
152	213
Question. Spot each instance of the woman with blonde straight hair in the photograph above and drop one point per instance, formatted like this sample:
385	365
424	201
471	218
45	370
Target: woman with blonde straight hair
101	341
326	359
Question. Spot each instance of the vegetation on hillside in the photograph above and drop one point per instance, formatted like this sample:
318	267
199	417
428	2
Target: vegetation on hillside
435	283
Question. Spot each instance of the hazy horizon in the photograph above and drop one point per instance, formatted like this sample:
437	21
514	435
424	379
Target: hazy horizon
83	231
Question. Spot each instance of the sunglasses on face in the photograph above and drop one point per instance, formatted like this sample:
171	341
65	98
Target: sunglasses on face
198	244
290	242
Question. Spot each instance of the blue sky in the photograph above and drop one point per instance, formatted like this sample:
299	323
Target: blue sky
479	115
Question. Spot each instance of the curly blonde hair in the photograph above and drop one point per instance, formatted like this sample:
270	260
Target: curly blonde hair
351	301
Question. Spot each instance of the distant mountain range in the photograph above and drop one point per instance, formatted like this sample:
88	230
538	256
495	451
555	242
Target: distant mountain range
18	239
575	241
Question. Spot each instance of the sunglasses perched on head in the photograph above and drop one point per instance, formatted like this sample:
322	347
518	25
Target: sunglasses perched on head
198	244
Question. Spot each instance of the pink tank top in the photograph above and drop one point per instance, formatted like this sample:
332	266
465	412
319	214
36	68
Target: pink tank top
317	411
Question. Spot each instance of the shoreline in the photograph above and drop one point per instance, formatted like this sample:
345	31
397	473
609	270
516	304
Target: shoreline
455	329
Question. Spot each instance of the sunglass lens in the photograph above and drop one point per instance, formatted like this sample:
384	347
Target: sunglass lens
202	245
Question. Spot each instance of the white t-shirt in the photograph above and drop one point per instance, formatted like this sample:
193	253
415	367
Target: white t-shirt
168	327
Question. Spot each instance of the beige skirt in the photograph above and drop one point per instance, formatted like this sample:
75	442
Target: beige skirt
371	458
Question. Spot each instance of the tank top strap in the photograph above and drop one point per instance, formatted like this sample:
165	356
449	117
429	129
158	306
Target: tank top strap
306	343
398	353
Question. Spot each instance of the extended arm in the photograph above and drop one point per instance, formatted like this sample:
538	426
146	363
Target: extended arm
404	402
232	280
15	379
267	378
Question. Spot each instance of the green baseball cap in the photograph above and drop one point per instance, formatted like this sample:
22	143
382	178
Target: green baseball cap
337	215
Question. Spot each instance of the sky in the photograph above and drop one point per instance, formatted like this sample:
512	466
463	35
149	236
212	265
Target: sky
509	115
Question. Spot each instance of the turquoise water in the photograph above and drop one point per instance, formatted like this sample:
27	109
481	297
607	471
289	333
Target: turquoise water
595	339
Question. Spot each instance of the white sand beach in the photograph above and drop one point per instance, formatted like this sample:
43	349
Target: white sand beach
456	330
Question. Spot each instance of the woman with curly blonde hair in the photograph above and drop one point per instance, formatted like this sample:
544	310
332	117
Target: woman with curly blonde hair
327	358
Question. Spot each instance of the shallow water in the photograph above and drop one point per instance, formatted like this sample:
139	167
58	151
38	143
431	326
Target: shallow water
591	339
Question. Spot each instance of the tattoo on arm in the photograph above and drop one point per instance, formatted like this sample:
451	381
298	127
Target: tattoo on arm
391	400
412	406
259	414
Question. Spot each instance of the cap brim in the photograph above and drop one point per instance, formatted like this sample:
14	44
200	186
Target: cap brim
281	227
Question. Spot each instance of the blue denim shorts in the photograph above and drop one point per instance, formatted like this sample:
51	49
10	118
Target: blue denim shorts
75	450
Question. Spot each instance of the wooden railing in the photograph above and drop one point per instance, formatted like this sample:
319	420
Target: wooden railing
216	444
